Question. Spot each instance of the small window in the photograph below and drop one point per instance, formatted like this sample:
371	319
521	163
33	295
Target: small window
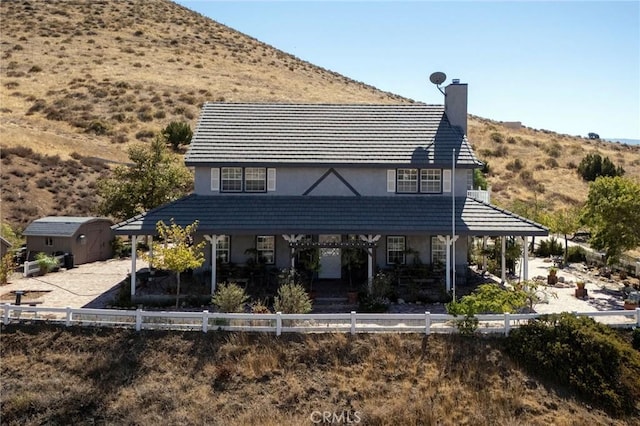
407	180
223	248
430	180
255	179
232	179
438	251
395	250
265	245
470	179
48	241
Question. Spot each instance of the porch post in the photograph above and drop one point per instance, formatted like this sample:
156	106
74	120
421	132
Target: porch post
133	265
504	259
446	239
371	239
291	239
213	239
484	253
525	258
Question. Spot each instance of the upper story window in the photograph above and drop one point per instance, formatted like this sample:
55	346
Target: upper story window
231	179
470	179
430	180
407	180
255	179
239	179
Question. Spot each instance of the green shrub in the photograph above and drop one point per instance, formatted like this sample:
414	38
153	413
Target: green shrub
177	133
550	247
576	254
6	268
583	354
230	297
593	165
292	298
635	339
46	263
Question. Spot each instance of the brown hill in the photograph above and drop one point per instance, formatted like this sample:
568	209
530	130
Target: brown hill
84	79
80	375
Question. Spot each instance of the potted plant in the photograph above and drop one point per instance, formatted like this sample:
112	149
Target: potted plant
46	263
552	278
581	292
352	258
632	301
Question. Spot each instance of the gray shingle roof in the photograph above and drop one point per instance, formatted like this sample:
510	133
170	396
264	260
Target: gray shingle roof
236	214
307	134
57	226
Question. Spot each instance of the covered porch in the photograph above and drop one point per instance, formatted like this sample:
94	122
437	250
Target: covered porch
234	227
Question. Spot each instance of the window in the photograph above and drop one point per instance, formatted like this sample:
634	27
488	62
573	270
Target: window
255	179
430	180
265	245
48	241
407	180
395	250
438	251
232	179
470	179
222	248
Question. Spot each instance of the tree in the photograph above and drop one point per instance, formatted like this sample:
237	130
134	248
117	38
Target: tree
593	165
177	133
612	213
156	177
564	221
175	250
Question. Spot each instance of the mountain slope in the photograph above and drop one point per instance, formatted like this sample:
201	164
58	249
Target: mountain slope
89	78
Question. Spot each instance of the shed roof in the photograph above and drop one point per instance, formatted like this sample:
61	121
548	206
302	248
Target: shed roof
237	214
59	226
310	134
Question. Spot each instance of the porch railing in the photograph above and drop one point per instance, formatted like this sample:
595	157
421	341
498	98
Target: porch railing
480	195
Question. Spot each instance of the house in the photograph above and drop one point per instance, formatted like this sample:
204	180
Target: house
5	246
276	178
87	239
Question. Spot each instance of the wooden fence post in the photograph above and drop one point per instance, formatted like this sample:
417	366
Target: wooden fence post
278	323
69	317
507	323
353	322
427	323
205	321
138	319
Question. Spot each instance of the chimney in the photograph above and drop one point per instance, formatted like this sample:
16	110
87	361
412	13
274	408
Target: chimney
455	104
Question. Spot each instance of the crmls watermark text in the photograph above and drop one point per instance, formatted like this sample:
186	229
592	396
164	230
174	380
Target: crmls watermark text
345	417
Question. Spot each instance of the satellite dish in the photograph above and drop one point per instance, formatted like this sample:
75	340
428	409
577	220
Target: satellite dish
438	78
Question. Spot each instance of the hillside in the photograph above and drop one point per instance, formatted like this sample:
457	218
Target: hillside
80	375
82	80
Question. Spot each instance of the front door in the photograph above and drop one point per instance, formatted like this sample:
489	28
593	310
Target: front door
330	258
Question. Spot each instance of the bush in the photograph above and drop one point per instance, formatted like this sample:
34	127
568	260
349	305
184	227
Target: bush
177	133
497	137
230	297
576	254
515	165
635	339
550	247
7	265
46	263
593	165
583	354
292	298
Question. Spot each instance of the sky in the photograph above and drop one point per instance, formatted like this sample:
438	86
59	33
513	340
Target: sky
568	66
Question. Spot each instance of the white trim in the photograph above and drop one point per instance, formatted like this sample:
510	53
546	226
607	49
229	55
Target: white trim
215	179
271	180
391	181
446	181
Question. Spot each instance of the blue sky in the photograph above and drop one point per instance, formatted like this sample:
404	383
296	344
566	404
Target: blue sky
566	66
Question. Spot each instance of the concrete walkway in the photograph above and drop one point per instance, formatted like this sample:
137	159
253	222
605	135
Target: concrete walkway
91	285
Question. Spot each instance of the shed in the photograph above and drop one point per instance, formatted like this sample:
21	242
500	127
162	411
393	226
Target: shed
4	247
88	239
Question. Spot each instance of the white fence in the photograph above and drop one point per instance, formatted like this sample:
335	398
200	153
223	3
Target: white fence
279	323
32	267
480	195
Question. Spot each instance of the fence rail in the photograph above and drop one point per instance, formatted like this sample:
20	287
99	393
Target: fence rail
32	267
278	323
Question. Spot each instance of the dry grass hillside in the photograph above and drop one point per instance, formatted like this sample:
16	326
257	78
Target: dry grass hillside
79	375
83	79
